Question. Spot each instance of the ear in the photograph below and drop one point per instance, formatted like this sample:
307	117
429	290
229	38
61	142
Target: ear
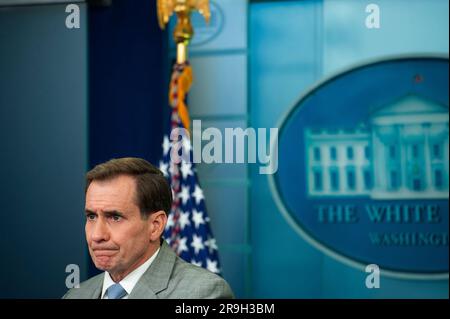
158	221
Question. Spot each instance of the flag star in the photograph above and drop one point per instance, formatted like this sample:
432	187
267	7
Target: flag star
184	194
197	263
211	243
182	245
163	168
170	222
198	194
212	266
166	145
184	220
197	217
197	243
186	169
186	145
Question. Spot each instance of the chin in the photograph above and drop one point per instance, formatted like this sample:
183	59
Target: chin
102	265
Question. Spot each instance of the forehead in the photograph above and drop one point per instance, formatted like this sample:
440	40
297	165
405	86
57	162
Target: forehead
115	193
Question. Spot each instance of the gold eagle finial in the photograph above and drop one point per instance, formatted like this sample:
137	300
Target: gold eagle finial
183	31
167	7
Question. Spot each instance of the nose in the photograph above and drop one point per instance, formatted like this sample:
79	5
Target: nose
99	231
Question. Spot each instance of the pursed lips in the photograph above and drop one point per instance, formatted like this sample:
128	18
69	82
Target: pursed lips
104	252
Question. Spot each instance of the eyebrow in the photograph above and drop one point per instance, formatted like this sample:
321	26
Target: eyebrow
107	213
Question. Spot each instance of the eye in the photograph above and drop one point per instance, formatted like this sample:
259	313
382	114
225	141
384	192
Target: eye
90	216
116	218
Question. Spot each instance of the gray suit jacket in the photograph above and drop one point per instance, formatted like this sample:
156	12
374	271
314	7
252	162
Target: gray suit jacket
167	277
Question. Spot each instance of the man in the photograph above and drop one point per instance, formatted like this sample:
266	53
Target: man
127	202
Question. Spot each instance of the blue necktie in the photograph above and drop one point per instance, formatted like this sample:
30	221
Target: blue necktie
116	291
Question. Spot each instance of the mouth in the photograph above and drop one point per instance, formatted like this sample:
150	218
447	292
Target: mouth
103	258
104	252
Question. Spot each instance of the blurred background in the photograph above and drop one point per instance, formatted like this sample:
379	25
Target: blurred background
73	98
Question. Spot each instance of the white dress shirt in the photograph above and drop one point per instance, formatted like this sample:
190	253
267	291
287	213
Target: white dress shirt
130	280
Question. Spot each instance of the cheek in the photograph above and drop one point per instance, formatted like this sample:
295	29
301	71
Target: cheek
87	231
135	239
129	237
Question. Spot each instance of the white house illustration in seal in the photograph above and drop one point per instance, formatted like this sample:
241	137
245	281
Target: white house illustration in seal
400	152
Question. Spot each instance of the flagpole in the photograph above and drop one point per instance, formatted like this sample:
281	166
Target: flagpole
188	230
183	31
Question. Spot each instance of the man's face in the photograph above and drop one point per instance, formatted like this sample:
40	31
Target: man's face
119	239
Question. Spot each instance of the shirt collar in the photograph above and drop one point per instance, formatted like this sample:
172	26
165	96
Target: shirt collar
131	279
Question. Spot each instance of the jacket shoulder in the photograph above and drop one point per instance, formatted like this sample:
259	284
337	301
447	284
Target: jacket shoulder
190	281
87	290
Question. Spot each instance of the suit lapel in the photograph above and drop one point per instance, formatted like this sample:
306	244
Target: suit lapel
98	290
92	289
157	276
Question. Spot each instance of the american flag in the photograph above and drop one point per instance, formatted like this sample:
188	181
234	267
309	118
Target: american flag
188	229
